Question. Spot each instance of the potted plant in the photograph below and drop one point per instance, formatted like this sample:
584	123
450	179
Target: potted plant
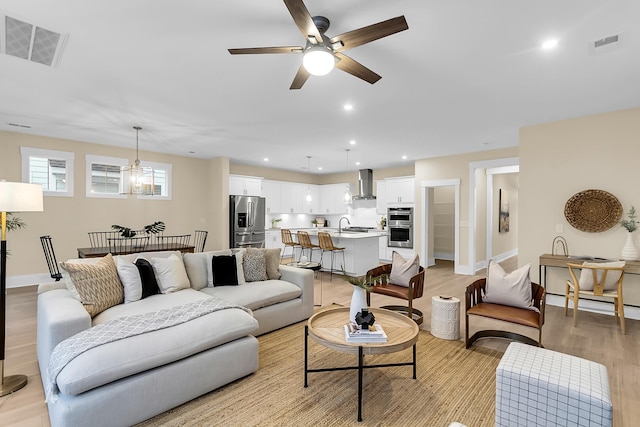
314	222
383	222
629	251
274	222
361	284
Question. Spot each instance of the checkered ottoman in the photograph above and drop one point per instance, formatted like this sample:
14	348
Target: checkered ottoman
538	387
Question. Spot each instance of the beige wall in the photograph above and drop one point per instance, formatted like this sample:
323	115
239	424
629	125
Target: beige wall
558	160
453	167
196	202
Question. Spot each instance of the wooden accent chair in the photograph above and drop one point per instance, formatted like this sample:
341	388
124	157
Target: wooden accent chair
606	282
521	316
326	244
408	293
288	242
305	243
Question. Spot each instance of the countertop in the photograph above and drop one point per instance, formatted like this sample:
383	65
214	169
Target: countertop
334	232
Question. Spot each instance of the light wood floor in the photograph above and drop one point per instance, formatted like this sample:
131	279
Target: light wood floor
595	338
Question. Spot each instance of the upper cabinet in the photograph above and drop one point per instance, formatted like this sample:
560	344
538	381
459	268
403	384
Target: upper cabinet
311	199
394	191
290	197
271	193
245	185
332	199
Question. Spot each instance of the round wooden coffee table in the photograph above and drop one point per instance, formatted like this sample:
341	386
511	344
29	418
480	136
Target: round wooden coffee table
327	329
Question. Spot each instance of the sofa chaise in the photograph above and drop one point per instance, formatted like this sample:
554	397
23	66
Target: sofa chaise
125	381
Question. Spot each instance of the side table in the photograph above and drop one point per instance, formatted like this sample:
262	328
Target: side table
445	317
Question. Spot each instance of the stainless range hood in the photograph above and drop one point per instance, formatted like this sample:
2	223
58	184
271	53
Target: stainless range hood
365	182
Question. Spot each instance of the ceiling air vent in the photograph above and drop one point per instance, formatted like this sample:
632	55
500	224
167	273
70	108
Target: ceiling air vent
605	44
30	42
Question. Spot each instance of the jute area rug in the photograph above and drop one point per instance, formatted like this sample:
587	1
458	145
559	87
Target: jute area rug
453	384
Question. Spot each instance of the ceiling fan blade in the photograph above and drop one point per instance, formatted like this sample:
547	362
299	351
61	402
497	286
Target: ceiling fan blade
278	49
368	34
353	67
301	77
303	20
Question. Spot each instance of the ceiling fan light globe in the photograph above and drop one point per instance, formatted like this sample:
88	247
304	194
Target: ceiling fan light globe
318	61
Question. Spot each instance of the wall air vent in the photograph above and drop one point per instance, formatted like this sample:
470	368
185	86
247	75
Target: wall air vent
30	42
605	44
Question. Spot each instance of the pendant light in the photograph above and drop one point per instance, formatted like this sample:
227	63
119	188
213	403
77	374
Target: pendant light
347	194
309	198
136	179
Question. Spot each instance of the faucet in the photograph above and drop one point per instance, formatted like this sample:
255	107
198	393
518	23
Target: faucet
340	223
560	240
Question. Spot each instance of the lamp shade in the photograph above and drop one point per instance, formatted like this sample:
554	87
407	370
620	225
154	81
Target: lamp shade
318	60
20	197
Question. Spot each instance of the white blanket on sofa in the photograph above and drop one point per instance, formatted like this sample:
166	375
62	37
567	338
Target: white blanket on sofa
124	327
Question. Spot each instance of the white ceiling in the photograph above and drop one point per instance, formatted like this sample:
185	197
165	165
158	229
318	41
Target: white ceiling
464	77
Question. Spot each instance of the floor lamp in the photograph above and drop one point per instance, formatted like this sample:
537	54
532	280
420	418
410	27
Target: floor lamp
14	197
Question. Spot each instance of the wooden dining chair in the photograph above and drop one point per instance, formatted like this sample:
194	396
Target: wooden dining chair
175	241
305	243
50	256
127	245
288	242
200	238
596	280
326	244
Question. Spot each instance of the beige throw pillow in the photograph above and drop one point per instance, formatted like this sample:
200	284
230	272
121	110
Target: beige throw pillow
586	276
96	285
513	289
402	270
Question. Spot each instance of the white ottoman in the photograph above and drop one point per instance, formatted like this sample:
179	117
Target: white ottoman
445	318
538	387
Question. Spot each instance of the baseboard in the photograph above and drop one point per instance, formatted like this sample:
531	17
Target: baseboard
601	307
444	256
497	258
27	280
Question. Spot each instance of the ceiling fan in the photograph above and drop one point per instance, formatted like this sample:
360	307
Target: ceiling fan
322	53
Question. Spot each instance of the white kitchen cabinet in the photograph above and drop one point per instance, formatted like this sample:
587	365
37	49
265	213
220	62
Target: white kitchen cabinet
381	197
332	199
291	197
382	249
245	185
313	206
400	191
273	239
271	193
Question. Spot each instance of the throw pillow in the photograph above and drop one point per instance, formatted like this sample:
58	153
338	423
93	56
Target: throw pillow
239	253
586	276
147	277
224	270
513	289
97	285
402	270
130	278
170	274
210	255
272	260
255	266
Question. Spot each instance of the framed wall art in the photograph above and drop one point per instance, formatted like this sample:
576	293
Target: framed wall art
503	211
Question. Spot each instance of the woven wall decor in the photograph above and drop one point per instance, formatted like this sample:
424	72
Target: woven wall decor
593	211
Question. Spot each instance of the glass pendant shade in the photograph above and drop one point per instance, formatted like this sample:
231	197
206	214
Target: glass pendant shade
136	179
309	198
347	194
318	60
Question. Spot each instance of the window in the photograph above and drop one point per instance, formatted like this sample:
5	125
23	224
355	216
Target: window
51	169
103	178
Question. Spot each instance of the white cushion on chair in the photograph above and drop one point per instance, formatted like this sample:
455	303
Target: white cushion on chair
586	275
513	289
402	270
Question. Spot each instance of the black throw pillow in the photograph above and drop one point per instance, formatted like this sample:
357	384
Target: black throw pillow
148	278
224	270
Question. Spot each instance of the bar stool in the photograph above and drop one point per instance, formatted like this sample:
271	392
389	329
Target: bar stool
288	242
305	243
326	244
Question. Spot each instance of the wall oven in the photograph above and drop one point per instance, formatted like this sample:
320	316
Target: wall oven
400	227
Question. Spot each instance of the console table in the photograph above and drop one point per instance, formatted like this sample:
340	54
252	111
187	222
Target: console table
548	260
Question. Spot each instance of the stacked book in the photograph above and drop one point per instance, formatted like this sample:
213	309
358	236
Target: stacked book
374	334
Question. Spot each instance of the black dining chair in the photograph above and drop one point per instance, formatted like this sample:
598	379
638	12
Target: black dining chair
173	242
99	239
200	238
50	256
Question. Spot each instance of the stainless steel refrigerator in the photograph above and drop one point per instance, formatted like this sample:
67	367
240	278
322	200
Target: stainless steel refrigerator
246	220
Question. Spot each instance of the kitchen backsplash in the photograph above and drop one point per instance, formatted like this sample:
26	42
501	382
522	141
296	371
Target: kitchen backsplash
360	213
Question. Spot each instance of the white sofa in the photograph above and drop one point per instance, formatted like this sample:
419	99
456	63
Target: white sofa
128	381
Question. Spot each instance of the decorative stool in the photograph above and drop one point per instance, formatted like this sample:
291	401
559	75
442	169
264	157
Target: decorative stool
445	317
535	386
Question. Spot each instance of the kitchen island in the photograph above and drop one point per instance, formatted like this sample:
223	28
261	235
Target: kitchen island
360	253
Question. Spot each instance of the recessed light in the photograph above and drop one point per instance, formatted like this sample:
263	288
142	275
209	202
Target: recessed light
404	157
357	163
192	152
319	168
352	142
550	44
348	107
266	159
